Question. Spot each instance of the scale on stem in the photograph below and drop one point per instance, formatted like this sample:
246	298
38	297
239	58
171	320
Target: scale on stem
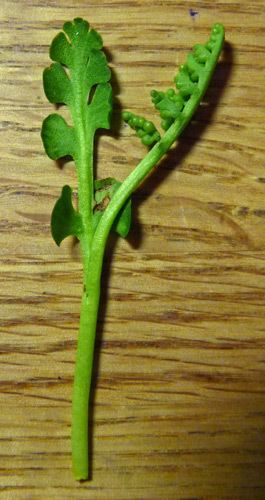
79	78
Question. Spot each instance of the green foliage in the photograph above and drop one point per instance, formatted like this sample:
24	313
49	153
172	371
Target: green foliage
192	80
193	76
98	112
65	220
79	78
145	129
58	138
184	81
169	104
79	66
58	87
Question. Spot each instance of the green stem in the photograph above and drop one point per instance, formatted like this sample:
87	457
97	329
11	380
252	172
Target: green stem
91	283
84	367
84	160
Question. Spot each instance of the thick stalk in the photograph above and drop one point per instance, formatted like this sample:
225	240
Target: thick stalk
84	160
91	292
84	367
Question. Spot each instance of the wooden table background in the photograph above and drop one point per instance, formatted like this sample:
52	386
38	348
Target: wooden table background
179	399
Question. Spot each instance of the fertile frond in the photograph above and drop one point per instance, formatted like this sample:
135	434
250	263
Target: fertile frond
145	129
191	81
169	105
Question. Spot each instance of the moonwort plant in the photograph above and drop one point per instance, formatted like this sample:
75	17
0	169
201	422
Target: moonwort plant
80	77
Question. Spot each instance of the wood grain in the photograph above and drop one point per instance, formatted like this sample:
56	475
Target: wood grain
179	385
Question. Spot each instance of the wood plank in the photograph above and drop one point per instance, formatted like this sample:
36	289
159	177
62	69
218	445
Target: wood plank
178	406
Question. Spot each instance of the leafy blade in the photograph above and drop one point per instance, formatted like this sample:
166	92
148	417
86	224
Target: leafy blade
97	70
61	50
57	86
99	111
77	48
58	138
123	221
65	220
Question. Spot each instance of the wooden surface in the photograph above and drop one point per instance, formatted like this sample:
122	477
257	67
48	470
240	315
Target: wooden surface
179	386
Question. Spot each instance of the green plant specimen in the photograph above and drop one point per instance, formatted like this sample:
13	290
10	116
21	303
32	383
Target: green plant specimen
79	78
